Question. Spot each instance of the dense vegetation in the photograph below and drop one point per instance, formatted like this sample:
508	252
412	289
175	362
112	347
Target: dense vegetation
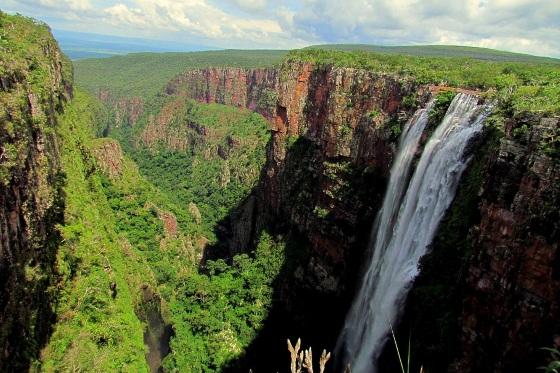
214	314
23	60
225	153
522	86
94	330
194	170
121	235
23	56
218	314
441	51
145	74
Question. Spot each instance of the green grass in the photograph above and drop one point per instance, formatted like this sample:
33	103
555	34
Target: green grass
145	74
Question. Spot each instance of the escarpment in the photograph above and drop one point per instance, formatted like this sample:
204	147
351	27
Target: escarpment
126	110
32	91
255	89
334	133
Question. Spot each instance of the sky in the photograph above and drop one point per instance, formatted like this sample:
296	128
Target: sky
528	26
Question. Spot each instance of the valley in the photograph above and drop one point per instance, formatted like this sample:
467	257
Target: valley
189	212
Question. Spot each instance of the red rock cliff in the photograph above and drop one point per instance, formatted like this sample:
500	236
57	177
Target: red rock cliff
254	89
340	115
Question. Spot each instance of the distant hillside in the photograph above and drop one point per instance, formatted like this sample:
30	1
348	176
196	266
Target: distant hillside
78	45
145	74
441	51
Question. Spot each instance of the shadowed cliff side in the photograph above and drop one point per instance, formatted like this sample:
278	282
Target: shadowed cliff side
511	305
35	82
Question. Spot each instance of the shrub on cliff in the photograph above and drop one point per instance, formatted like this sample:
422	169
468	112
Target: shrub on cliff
554	364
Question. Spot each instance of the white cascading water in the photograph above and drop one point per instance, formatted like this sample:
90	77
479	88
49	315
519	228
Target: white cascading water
406	225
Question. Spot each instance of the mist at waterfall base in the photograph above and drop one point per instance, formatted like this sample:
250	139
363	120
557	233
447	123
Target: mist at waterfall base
406	224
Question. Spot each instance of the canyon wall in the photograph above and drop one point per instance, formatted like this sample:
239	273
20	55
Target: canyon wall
512	295
328	159
490	285
255	89
32	91
334	133
126	110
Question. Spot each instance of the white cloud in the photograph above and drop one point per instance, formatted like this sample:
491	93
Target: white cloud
531	26
76	5
198	18
120	14
250	5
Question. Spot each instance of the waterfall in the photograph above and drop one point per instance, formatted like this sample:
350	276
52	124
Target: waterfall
406	225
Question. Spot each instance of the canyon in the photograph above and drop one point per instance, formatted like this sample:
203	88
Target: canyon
505	285
310	178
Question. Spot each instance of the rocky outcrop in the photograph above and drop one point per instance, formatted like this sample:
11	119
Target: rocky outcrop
162	128
170	226
109	157
125	110
33	90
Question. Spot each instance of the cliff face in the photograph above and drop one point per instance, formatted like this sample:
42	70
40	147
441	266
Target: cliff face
334	133
163	128
109	157
255	89
330	140
327	164
512	295
126	110
31	202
